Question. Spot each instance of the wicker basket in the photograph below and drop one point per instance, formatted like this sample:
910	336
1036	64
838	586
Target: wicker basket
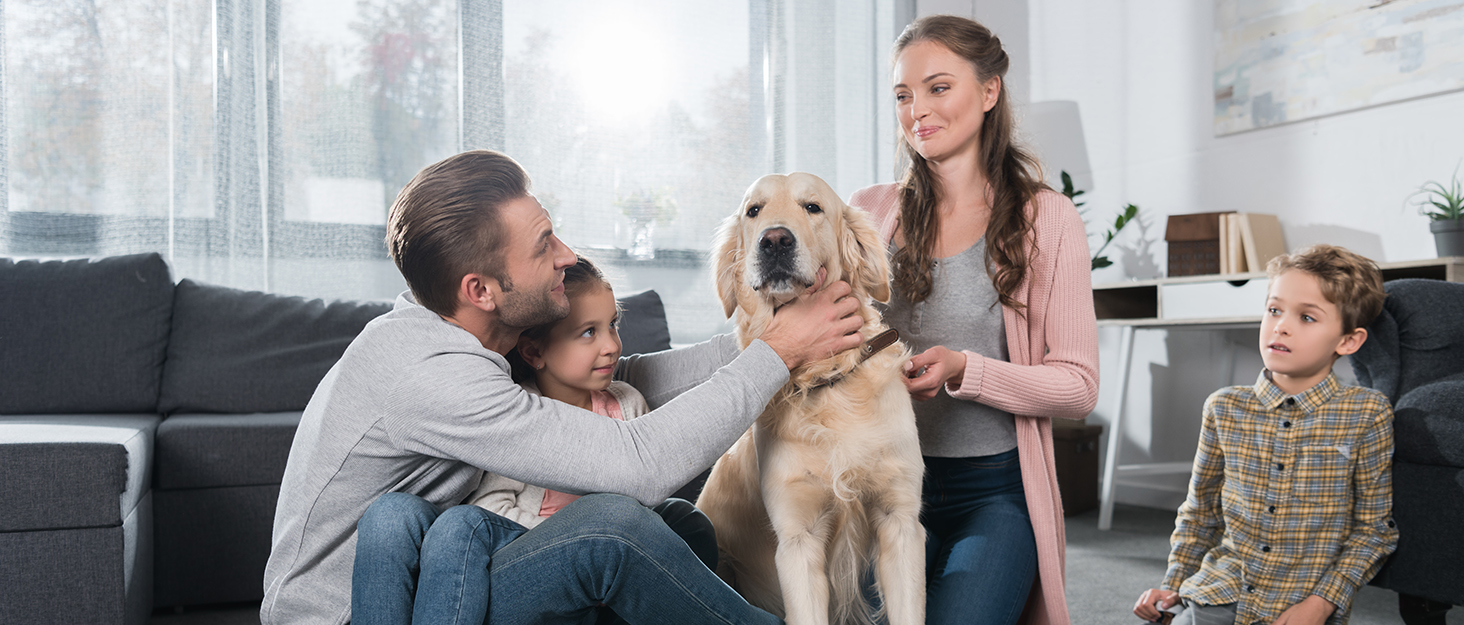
1194	258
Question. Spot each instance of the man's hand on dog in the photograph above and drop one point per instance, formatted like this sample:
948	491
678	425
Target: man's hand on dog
928	371
819	323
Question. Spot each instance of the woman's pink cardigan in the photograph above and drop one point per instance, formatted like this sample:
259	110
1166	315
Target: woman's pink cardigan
1053	370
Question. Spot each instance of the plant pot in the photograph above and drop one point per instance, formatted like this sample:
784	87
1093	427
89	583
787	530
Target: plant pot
1448	236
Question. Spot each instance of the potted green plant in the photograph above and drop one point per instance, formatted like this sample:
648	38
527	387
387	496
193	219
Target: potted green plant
1444	206
1129	213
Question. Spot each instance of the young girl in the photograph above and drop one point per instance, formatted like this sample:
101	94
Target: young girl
571	360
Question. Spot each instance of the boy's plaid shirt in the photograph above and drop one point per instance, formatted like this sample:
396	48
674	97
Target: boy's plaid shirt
1291	496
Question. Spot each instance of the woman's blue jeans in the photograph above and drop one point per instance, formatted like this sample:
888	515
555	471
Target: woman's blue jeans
980	554
601	550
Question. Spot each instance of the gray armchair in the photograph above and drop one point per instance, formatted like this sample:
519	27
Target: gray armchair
1414	354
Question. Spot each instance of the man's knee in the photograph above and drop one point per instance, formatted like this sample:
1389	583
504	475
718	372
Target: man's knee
460	525
397	514
617	511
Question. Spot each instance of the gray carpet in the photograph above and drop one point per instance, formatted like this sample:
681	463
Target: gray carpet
1106	572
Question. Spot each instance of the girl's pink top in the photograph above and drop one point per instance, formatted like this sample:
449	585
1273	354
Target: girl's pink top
601	403
1053	373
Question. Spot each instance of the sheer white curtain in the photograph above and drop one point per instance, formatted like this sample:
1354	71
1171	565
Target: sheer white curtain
259	143
642	123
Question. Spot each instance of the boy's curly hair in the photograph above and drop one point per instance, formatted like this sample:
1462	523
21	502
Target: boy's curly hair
1349	280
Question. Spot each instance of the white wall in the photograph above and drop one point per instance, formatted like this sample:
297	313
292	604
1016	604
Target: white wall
1141	71
1008	20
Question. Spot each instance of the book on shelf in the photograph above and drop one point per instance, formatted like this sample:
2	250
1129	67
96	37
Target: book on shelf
1261	238
1230	244
1237	248
1222	242
1225	242
1248	241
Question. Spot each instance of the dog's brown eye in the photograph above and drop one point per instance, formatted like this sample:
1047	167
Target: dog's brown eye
753	210
812	208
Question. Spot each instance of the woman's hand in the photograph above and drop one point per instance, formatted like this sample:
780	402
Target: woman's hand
932	369
1145	607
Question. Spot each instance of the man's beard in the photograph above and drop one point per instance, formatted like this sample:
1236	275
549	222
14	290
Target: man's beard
525	309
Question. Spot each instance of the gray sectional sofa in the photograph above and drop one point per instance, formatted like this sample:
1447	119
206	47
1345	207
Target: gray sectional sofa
1414	354
144	428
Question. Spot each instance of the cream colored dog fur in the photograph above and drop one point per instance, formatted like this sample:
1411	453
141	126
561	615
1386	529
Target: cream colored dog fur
826	484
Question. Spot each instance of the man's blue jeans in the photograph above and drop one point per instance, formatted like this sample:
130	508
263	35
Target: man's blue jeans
601	550
980	553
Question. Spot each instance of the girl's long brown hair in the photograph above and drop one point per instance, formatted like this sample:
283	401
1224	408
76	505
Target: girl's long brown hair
1013	173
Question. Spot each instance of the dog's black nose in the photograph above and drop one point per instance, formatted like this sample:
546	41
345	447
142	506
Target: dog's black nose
776	240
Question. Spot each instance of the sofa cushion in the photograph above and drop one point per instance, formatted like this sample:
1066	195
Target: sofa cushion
1375	364
643	326
73	471
83	336
1428	424
1428	506
87	575
1430	314
234	351
214	450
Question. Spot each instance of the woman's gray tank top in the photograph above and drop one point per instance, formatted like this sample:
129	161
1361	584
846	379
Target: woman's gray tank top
962	313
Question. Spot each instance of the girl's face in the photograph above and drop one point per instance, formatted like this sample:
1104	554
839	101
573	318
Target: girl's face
580	352
940	102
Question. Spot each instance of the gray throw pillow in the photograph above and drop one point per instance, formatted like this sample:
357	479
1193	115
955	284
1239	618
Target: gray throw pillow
83	336
643	327
245	351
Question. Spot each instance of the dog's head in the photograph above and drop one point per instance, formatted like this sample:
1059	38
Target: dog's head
785	230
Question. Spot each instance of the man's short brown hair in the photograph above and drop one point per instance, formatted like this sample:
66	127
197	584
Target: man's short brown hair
444	224
1352	282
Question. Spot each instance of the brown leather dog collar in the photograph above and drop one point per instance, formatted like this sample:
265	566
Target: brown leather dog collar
866	350
878	342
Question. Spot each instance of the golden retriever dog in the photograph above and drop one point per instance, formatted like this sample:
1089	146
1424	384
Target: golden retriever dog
825	487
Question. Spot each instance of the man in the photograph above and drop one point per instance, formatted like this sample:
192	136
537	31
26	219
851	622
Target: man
422	403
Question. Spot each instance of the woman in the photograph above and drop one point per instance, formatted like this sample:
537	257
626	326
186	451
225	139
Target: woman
992	288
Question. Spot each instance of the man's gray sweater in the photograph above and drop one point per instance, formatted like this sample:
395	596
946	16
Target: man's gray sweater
417	405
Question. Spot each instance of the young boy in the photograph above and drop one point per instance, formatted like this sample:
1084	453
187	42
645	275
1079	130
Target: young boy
1290	507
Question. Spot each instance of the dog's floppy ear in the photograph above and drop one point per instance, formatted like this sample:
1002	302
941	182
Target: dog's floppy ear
727	263
863	256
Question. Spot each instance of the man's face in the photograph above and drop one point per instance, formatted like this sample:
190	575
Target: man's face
534	260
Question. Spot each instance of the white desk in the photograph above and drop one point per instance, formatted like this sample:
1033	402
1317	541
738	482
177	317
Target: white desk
1212	302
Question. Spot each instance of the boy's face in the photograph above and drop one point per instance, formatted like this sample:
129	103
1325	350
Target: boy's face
1301	333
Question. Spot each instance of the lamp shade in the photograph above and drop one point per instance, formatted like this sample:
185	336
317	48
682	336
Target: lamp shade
1054	131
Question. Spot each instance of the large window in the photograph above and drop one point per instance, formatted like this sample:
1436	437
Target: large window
369	95
259	143
96	123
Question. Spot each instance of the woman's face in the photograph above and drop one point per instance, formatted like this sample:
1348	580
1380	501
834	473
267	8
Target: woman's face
940	101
